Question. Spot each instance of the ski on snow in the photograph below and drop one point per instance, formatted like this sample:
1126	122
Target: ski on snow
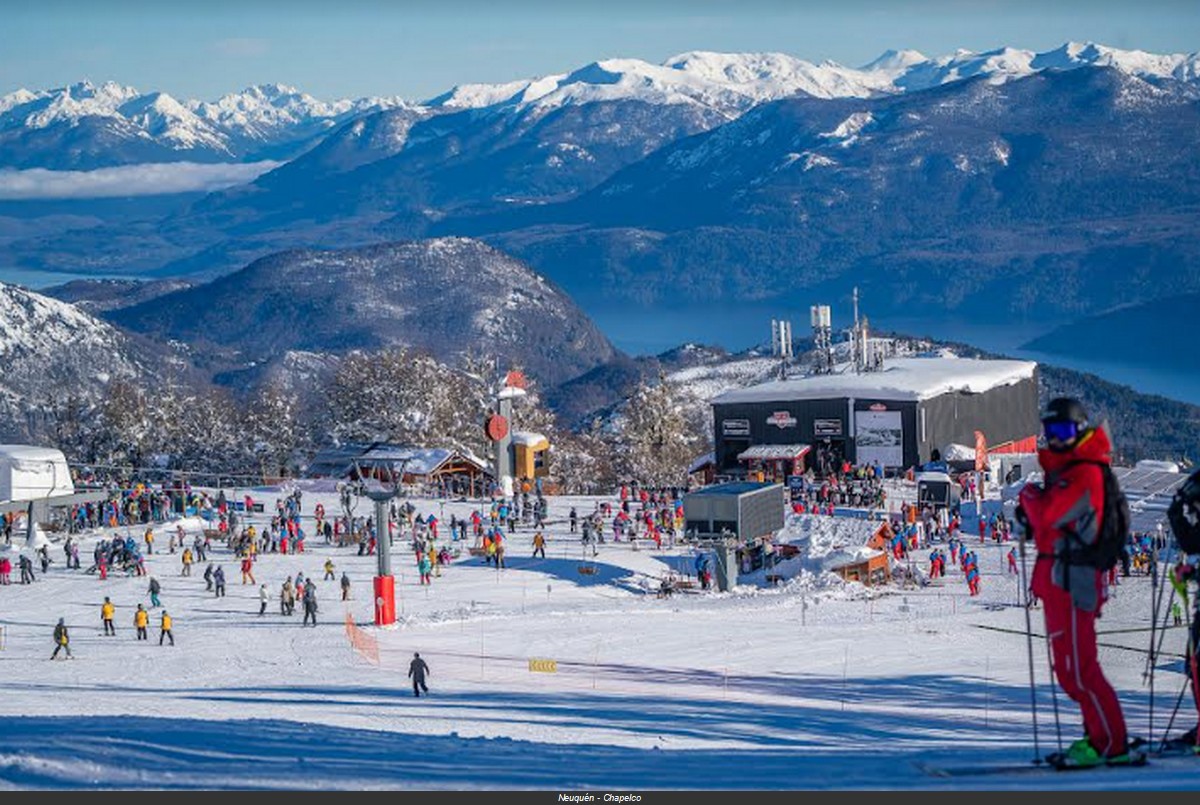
1046	765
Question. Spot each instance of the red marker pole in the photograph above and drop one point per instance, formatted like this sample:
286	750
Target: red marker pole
385	583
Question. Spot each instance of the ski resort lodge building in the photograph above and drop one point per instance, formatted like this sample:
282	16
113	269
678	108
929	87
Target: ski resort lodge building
895	416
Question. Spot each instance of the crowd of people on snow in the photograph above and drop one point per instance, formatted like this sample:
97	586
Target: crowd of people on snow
844	484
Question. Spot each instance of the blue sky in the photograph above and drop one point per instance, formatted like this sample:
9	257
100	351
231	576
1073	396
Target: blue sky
418	49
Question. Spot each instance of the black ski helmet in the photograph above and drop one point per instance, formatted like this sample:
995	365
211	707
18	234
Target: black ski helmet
1184	514
1065	409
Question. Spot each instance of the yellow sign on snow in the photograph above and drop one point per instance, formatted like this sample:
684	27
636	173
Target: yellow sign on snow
543	666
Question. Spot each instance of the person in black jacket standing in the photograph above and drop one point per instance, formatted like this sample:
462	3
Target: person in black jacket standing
417	669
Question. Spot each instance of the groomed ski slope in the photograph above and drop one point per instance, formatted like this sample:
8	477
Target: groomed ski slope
812	684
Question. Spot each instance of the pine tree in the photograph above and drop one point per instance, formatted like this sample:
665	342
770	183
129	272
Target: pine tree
657	444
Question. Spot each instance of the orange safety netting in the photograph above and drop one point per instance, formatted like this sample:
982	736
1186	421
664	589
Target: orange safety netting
365	644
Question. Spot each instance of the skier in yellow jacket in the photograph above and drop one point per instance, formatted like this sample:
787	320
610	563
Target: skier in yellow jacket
141	619
166	629
107	611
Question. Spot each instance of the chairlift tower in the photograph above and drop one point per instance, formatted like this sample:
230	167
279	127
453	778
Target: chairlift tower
380	481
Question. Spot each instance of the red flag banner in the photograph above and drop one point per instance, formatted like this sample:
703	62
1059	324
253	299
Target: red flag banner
980	451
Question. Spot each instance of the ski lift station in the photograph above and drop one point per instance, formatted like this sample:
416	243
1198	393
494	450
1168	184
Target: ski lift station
895	415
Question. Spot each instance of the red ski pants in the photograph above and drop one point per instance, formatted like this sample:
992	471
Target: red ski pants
1072	634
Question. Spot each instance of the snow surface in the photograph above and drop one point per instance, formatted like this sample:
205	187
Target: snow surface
900	379
787	687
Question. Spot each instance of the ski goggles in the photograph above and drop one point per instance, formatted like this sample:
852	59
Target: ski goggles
1060	430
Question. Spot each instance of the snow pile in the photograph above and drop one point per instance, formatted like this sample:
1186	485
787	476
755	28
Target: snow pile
828	542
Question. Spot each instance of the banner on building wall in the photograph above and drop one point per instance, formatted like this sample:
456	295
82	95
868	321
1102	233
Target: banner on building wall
879	436
827	427
735	427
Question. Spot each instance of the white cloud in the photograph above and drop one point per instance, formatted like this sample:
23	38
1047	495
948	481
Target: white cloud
242	46
153	179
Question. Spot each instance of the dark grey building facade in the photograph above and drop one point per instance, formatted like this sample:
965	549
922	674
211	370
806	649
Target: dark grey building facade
866	427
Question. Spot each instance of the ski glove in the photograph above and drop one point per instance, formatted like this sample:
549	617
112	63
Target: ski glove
1022	518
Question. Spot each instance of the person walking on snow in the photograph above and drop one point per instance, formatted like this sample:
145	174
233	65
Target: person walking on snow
310	603
219	582
1012	561
345	587
62	639
418	670
263	598
107	612
539	545
287	598
208	578
165	627
329	570
141	620
1068	507
155	589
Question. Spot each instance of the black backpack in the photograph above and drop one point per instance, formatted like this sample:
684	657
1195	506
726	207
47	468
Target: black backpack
1106	552
1184	514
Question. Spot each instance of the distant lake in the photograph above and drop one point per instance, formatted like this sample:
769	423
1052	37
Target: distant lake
641	331
36	280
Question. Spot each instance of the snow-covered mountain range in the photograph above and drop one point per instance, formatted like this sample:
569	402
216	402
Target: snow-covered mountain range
85	125
733	82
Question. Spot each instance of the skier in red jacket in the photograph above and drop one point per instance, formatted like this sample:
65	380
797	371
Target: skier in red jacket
1071	501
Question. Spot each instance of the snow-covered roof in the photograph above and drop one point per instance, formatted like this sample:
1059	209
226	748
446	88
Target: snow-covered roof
26	452
773	451
907	379
700	462
958	452
849	556
510	392
1160	466
529	438
420	460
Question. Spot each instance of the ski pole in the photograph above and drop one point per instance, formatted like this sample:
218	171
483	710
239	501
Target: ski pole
1149	668
1037	751
1189	679
1190	674
1156	648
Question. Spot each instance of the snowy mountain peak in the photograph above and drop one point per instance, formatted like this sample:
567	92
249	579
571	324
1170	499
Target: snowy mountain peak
895	61
108	91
